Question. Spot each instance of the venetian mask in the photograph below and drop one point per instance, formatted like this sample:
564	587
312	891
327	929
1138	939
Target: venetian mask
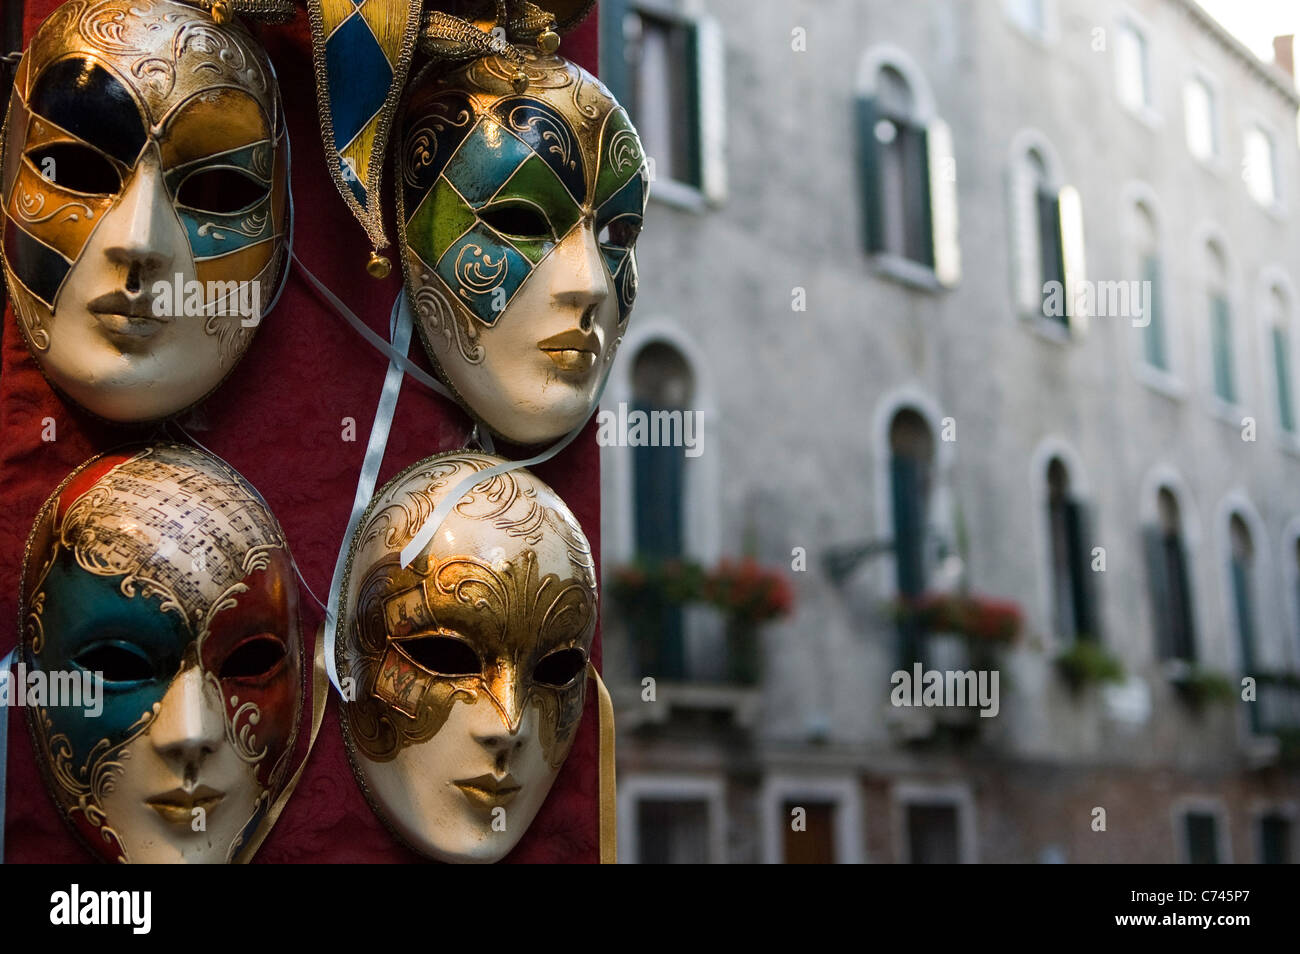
159	575
144	197
465	673
519	214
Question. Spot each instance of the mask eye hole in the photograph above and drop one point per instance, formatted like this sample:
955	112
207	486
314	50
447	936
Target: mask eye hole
220	191
255	658
561	667
517	220
620	233
75	167
445	655
120	662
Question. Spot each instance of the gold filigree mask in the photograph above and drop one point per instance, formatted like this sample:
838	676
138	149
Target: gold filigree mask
465	672
144	195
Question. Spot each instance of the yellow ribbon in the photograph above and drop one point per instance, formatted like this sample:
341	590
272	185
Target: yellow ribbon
319	696
608	787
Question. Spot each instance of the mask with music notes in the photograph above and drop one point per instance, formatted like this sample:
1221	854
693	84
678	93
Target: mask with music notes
144	199
161	655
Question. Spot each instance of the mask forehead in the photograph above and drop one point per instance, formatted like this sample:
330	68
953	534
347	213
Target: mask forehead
164	51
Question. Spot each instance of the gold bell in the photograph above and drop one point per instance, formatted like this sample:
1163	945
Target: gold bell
221	11
519	81
548	41
378	266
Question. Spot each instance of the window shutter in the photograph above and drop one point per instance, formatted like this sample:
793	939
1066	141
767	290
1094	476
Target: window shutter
1221	341
614	71
873	209
1184	642
1082	578
1072	256
909	524
1026	264
1241	598
711	111
943	203
1282	362
1154	340
1161	604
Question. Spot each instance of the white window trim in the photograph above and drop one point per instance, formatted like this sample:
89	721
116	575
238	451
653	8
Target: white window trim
844	792
1148	114
712	109
703	527
956	794
1048	449
1277	210
632	789
1238	503
914	398
1291	596
1051	24
1169	382
1164	475
1022	144
1229	412
1288	809
1274	278
1201	805
1217	163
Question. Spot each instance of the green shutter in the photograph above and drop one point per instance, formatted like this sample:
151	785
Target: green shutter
1082	579
1154	340
1050	252
614	71
1242	602
1282	364
692	119
1158	583
872	208
1221	343
1184	642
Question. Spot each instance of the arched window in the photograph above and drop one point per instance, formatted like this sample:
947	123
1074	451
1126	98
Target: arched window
1073	599
1241	571
1155	337
908	174
1222	351
1277	322
911	468
662	383
1047	236
1170	581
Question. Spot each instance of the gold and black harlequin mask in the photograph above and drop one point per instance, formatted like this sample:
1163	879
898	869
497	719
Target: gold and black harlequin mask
145	201
465	672
521	189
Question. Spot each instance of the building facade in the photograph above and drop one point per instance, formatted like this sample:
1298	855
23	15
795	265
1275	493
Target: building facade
997	298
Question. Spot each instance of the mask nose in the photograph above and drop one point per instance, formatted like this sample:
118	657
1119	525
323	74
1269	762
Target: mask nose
500	730
190	724
583	283
142	227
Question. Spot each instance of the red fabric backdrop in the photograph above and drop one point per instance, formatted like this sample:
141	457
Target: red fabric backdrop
279	421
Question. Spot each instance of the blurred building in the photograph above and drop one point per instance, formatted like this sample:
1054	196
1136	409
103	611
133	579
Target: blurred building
857	207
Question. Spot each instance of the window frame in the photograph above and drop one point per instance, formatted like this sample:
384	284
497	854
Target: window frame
709	789
1201	805
1148	111
955	794
1051	31
844	791
1255	121
710	106
1217	162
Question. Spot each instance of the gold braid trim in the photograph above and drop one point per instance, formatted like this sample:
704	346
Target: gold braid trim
260	11
454	40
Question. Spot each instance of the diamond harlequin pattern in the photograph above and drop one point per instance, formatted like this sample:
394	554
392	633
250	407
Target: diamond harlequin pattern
360	76
483	272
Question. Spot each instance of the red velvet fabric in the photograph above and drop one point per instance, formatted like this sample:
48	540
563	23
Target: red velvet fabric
279	420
